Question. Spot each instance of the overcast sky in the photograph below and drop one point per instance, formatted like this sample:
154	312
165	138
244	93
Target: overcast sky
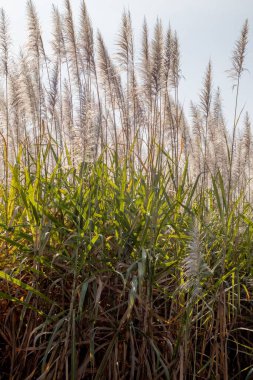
207	29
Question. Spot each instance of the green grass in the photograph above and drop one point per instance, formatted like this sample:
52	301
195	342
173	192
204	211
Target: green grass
126	230
111	276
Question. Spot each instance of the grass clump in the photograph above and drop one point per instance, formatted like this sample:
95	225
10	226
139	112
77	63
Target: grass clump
125	233
108	276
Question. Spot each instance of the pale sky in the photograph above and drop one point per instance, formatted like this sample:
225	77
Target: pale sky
206	29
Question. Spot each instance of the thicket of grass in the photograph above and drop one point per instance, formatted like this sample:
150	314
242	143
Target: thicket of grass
126	233
112	277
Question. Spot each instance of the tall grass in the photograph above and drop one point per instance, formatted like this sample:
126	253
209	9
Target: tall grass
126	231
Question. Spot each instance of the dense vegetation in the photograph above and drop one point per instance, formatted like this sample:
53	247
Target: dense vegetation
126	231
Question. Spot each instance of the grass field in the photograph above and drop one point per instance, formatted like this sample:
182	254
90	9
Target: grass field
126	230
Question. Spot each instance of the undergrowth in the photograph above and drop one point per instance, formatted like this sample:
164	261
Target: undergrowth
110	276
